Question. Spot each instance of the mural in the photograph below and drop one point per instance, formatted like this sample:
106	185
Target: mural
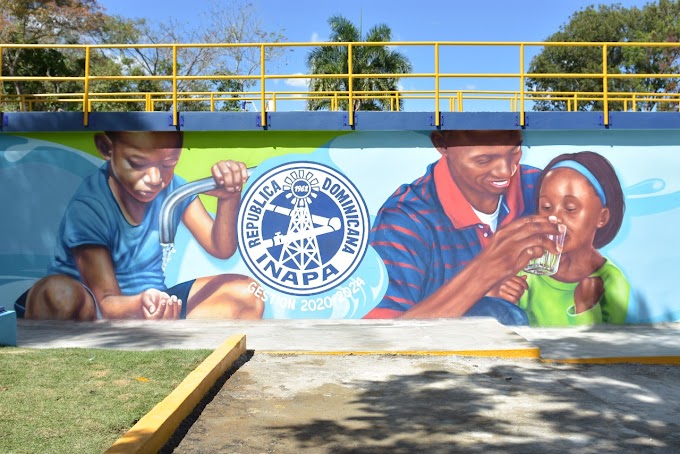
167	225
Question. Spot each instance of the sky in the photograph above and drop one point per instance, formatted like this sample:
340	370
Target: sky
433	20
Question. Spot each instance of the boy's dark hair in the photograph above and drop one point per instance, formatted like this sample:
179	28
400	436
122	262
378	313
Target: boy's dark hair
481	137
605	174
113	135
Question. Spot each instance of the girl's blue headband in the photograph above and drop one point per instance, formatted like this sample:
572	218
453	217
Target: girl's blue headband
580	168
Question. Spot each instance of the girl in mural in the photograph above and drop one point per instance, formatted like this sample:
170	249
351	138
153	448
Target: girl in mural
583	192
108	257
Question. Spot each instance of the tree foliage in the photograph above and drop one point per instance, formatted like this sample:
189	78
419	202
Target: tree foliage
379	59
44	22
140	69
655	22
236	24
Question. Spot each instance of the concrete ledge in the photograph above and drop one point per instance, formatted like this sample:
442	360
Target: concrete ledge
474	336
607	344
479	334
156	427
524	353
650	360
12	122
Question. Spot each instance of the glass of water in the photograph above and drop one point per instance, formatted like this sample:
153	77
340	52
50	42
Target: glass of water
548	263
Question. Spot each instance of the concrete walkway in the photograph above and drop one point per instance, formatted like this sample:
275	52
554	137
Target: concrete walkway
407	404
468	336
439	386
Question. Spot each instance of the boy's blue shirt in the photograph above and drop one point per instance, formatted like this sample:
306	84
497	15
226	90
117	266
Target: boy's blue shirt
93	217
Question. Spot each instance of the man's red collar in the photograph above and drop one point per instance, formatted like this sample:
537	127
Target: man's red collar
457	207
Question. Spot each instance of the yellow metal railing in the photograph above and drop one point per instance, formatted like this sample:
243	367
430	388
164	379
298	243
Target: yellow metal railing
455	100
268	99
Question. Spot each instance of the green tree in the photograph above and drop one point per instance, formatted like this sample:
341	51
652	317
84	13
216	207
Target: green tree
655	22
378	59
235	24
659	22
43	22
84	22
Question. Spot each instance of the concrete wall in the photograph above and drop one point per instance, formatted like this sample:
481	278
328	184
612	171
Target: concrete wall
338	179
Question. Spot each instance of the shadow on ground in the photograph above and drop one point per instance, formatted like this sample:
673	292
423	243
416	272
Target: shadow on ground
439	406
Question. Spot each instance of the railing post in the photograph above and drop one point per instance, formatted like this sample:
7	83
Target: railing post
634	102
436	85
86	89
263	106
2	85
460	101
149	104
212	102
350	103
396	101
521	85
605	86
175	107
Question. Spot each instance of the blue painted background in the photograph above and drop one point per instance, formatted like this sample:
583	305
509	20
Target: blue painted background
37	178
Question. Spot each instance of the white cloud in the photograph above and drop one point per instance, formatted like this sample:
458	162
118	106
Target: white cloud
471	87
298	82
314	38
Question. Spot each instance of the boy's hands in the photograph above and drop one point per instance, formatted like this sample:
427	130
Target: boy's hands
158	305
511	290
230	177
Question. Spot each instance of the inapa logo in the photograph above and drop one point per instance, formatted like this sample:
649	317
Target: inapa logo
303	228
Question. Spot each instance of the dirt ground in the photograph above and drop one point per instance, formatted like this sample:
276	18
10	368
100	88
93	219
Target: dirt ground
434	404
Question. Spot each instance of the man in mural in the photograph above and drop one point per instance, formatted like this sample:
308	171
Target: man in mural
583	192
455	234
108	260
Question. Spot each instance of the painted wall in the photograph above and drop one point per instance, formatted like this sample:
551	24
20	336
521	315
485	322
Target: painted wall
334	184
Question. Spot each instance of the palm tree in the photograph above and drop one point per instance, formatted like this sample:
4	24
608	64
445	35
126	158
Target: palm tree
365	60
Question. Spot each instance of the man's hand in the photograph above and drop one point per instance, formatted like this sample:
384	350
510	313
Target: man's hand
514	245
510	290
230	176
158	305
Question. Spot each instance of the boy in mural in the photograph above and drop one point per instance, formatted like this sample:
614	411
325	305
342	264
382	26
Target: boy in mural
583	192
108	256
455	234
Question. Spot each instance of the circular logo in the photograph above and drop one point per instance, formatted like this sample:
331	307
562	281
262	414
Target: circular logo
302	228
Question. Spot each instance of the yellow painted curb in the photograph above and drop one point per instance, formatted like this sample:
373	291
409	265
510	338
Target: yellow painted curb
652	360
532	353
156	427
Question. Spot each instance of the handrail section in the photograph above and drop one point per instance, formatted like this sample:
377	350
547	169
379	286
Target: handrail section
267	99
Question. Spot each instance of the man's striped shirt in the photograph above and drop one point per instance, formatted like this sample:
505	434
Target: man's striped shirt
426	232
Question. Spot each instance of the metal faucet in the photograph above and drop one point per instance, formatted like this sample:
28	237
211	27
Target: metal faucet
166	228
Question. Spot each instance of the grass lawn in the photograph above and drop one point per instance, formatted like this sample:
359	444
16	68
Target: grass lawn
82	400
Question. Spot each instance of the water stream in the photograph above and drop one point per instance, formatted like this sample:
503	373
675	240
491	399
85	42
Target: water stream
168	250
